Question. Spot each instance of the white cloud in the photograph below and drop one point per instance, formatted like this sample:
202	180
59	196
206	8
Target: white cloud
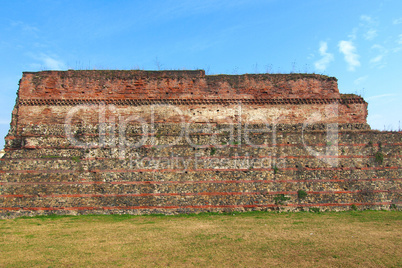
370	34
377	46
48	62
360	80
322	63
400	39
349	51
24	27
52	63
377	59
397	21
381	96
368	24
353	35
366	18
398	47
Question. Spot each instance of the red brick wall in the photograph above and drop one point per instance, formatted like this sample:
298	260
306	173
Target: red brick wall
48	97
173	85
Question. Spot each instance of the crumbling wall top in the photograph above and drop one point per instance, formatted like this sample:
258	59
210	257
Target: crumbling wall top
187	84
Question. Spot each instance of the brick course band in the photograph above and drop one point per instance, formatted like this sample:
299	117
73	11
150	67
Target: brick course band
138	102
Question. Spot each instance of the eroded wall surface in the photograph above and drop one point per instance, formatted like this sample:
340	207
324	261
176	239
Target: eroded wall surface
180	141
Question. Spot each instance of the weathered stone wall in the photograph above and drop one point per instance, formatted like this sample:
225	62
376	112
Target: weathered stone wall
168	175
218	113
111	151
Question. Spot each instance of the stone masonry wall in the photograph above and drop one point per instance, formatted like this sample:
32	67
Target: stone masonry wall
128	147
171	175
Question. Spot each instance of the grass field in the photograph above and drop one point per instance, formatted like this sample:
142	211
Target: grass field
255	239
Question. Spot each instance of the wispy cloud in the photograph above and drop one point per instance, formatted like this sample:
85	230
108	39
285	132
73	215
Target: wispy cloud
366	18
381	96
397	21
398	46
378	61
53	63
349	51
369	25
353	35
322	63
370	34
360	80
399	41
24	27
49	62
135	15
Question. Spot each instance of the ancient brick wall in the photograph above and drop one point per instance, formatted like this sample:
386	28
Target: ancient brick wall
173	142
119	85
47	97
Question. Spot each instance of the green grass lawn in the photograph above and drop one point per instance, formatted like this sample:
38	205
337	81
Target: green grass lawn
255	239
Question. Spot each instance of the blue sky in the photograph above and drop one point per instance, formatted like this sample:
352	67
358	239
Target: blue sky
359	42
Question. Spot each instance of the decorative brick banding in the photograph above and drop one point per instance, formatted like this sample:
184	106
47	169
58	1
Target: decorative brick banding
141	102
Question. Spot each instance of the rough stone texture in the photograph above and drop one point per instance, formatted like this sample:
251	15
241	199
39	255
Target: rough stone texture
144	142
